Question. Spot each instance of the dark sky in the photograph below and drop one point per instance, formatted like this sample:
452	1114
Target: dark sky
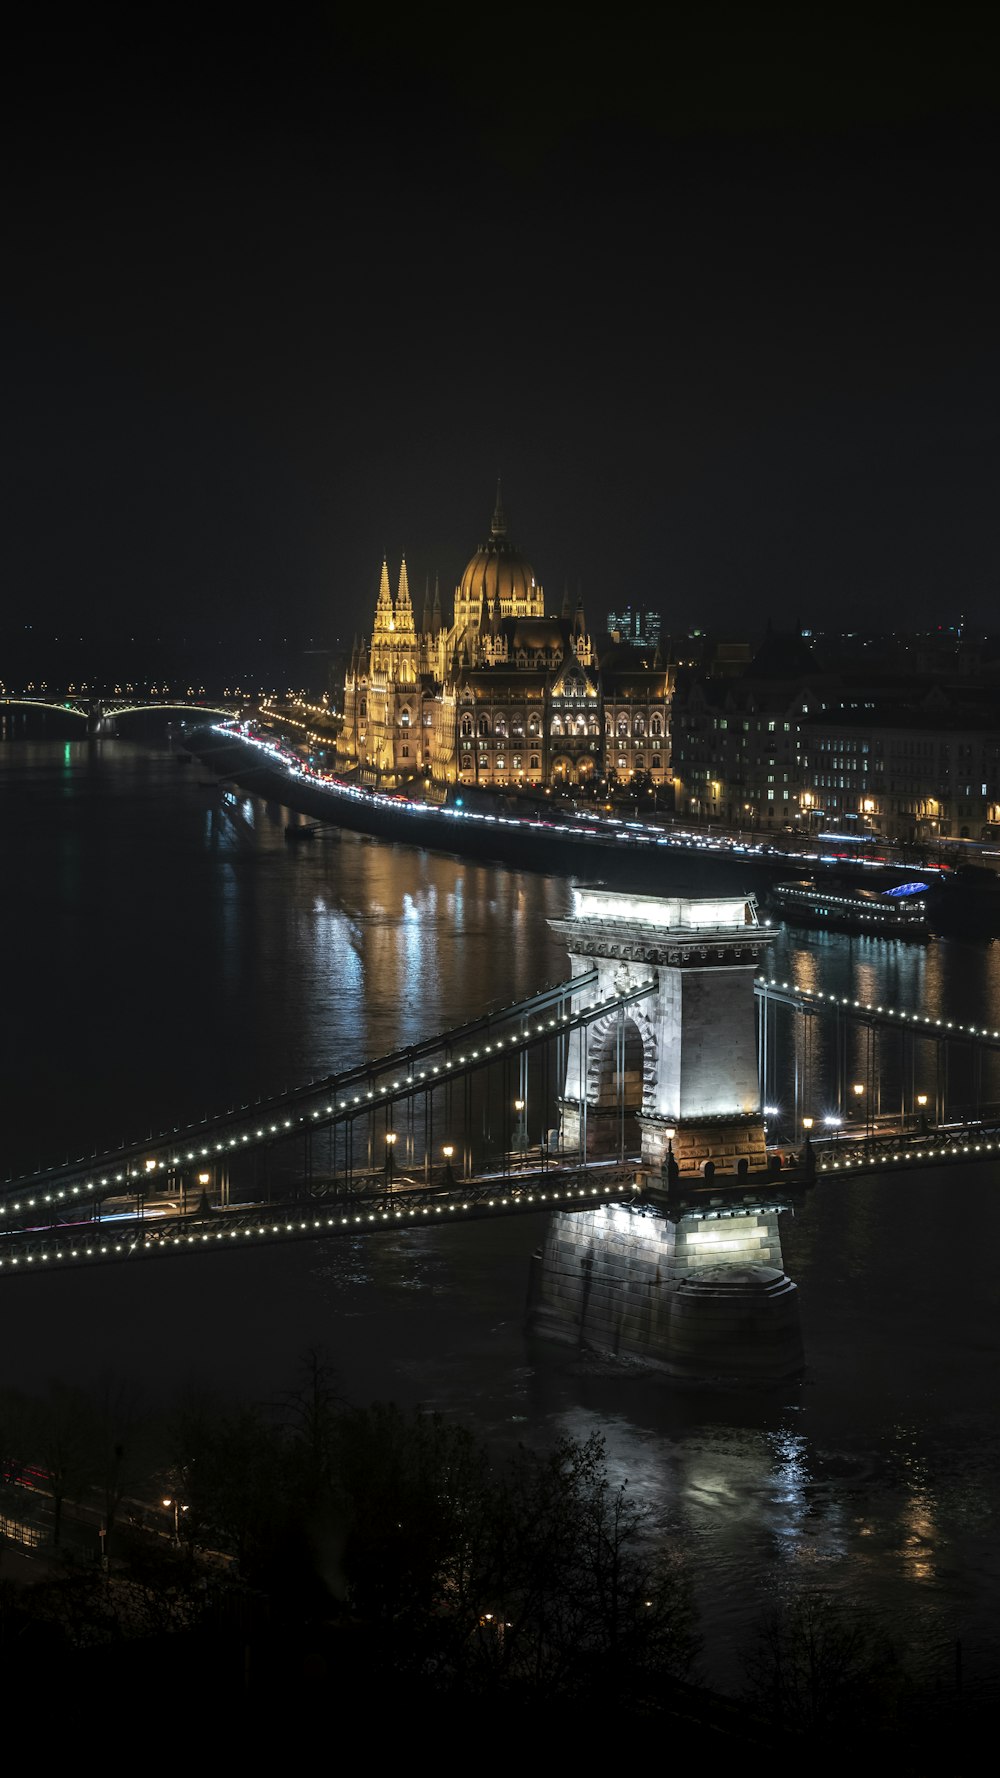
717	297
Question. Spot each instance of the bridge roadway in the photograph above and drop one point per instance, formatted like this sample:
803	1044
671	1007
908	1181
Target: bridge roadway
112	1235
133	1233
372	1086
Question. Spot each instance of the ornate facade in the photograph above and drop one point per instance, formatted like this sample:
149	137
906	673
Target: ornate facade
502	695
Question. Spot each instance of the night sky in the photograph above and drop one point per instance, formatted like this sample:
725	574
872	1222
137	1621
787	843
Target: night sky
720	304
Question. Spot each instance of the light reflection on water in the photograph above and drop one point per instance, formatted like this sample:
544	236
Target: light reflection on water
174	954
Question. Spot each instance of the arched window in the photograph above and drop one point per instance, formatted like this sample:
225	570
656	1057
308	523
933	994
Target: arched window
556	725
623	725
466	725
533	725
656	725
500	726
484	725
363	710
534	763
467	762
404	719
640	725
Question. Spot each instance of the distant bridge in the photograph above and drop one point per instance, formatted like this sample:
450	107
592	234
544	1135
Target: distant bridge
100	711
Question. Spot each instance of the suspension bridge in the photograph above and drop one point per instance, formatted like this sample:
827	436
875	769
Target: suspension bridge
650	1075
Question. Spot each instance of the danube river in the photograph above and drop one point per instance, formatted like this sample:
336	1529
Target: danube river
167	953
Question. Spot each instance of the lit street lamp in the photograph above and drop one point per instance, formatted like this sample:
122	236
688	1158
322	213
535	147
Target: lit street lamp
520	1133
390	1143
178	1509
448	1150
808	1156
858	1089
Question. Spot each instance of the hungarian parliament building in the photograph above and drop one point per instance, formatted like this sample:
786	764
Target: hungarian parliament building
895	737
497	694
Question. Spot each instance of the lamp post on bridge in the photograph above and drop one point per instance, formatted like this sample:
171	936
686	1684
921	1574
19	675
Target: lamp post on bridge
448	1150
808	1158
390	1143
520	1128
858	1089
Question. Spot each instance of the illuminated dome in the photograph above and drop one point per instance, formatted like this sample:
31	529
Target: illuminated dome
499	572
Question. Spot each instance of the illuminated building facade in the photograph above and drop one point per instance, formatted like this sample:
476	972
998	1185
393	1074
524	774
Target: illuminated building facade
501	695
641	628
789	744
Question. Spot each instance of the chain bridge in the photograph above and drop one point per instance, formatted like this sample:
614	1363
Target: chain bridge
627	1101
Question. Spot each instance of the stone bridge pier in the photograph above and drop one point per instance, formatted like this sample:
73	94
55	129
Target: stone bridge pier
674	1073
98	722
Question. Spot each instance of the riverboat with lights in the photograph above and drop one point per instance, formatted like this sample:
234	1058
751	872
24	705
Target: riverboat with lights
901	911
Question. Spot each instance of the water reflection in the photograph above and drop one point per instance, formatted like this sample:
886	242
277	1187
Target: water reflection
846	1074
244	964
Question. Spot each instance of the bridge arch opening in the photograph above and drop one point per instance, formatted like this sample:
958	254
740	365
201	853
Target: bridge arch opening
617	1077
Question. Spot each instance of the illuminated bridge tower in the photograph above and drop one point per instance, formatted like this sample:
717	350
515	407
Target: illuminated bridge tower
690	1282
675	1072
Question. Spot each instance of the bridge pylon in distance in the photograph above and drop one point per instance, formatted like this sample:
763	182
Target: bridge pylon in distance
675	1072
97	720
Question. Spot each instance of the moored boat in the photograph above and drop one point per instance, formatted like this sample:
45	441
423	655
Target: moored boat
902	911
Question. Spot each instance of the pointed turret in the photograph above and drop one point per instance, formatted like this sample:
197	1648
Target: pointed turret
384	621
499	526
567	608
404	604
426	620
438	616
384	595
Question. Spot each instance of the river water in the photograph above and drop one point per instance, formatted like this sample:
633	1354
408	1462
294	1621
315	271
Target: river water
168	953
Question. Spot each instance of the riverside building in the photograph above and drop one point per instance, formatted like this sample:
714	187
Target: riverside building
497	693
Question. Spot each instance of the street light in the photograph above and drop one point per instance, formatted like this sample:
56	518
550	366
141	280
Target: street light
448	1150
520	1134
390	1143
178	1509
922	1103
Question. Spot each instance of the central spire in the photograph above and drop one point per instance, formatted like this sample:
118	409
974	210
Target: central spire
499	526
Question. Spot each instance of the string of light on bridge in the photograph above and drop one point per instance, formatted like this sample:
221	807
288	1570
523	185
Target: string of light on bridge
886	1012
358	1101
868	1163
371	1222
